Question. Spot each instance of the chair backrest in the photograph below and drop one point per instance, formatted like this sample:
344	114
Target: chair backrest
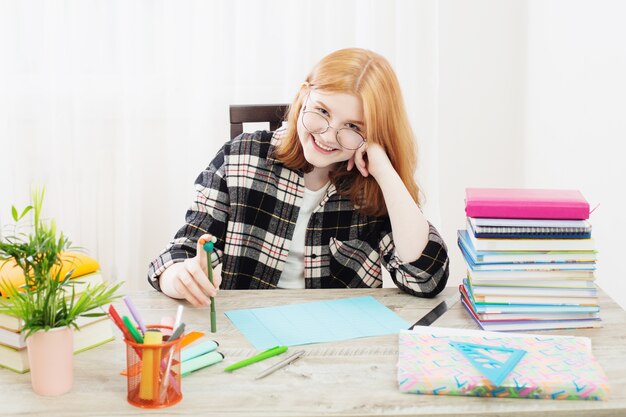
275	114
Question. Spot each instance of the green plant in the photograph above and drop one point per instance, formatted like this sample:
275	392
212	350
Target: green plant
46	300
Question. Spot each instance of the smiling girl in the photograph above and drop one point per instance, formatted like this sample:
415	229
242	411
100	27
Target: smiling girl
325	202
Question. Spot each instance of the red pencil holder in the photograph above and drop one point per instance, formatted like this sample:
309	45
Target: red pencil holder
153	372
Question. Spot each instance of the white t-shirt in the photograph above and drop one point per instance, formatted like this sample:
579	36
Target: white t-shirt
293	272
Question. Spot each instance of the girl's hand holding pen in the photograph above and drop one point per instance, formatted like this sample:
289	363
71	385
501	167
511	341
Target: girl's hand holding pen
189	279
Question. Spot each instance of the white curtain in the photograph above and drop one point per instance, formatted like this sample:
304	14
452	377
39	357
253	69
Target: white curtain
116	106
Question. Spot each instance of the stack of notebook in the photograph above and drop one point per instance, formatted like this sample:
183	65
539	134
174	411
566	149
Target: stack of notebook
530	259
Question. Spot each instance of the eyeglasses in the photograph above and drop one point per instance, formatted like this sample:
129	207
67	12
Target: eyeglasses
317	124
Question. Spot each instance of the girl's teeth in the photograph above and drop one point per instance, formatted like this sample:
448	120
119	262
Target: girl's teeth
323	147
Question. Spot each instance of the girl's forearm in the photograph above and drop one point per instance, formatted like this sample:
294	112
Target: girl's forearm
409	226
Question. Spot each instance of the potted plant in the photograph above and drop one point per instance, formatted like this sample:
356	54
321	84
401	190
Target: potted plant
47	303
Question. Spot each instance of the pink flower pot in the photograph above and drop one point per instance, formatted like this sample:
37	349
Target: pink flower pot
51	357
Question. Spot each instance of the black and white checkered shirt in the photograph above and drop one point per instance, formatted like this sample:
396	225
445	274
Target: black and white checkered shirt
250	202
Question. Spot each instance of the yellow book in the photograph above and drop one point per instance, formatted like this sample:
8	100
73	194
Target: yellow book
81	264
81	283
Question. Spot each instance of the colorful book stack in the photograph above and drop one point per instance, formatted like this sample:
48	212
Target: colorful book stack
93	332
530	259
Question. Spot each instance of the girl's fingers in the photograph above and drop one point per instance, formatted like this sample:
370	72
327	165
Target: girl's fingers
200	252
192	281
199	277
351	163
186	287
217	279
203	259
360	162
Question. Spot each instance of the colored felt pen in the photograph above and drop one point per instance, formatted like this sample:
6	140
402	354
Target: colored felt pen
179	316
133	331
135	313
190	338
119	323
200	362
257	358
208	247
198	349
149	383
175	335
177	332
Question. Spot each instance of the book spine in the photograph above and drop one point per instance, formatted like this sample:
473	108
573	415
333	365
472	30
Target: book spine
518	211
515	245
528	229
531	235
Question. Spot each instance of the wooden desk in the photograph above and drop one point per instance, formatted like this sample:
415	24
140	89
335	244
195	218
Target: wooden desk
349	378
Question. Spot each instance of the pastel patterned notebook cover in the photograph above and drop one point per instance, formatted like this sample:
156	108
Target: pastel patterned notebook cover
554	367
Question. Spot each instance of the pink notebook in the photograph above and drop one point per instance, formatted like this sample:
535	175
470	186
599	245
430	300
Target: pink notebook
525	203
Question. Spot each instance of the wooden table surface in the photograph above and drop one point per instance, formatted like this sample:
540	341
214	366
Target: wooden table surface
348	378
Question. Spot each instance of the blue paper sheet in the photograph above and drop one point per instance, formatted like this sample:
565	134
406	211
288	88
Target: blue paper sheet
316	322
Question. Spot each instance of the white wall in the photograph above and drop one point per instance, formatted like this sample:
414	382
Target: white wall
116	106
533	94
482	53
576	116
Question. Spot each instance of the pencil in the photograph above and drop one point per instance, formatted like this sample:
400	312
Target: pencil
208	247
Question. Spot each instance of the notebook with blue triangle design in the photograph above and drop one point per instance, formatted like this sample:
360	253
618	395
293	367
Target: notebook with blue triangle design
495	368
553	367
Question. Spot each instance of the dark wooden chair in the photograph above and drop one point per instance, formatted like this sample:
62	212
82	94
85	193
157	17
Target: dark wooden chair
275	114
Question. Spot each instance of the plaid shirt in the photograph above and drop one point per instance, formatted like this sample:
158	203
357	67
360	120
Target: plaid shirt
250	201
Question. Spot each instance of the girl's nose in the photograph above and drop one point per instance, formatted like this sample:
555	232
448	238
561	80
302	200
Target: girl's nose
330	136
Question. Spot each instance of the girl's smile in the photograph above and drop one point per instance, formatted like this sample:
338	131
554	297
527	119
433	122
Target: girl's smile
320	146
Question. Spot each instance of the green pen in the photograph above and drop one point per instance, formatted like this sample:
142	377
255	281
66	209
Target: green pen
208	247
132	329
277	350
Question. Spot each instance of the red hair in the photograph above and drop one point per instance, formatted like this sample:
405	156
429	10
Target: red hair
369	77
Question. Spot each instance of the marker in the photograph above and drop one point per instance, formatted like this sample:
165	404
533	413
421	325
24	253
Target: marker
135	314
208	247
257	358
127	335
151	360
198	350
179	316
119	323
175	335
133	331
200	362
190	338
178	330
